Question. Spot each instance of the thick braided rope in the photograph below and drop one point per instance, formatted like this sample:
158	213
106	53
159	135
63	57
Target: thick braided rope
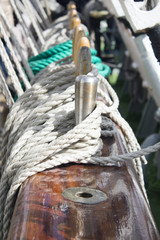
40	133
40	89
53	50
10	70
62	99
41	64
51	68
57	49
49	71
60	52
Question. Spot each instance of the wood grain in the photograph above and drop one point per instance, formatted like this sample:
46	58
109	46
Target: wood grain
41	212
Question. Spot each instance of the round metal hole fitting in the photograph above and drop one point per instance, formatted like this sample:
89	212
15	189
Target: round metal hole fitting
84	195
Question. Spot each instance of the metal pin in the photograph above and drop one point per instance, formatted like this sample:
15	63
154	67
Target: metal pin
85	96
83	63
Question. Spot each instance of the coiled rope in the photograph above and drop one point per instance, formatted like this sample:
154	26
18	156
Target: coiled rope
58	52
51	51
40	133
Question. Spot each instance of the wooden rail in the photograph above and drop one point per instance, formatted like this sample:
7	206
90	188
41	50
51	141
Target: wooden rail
41	211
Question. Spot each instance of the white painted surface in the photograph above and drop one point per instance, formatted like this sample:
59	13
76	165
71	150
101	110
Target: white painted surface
139	19
142	53
151	65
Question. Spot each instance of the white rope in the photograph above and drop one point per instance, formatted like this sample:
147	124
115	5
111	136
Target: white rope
15	41
35	24
59	37
63	19
48	10
29	37
42	12
49	71
5	90
59	33
56	34
35	13
10	69
40	133
14	57
48	33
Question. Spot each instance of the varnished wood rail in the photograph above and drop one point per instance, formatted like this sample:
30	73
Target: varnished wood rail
42	213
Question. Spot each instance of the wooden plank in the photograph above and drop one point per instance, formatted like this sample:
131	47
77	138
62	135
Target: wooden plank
41	211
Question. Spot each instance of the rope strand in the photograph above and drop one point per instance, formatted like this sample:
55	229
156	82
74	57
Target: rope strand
40	133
